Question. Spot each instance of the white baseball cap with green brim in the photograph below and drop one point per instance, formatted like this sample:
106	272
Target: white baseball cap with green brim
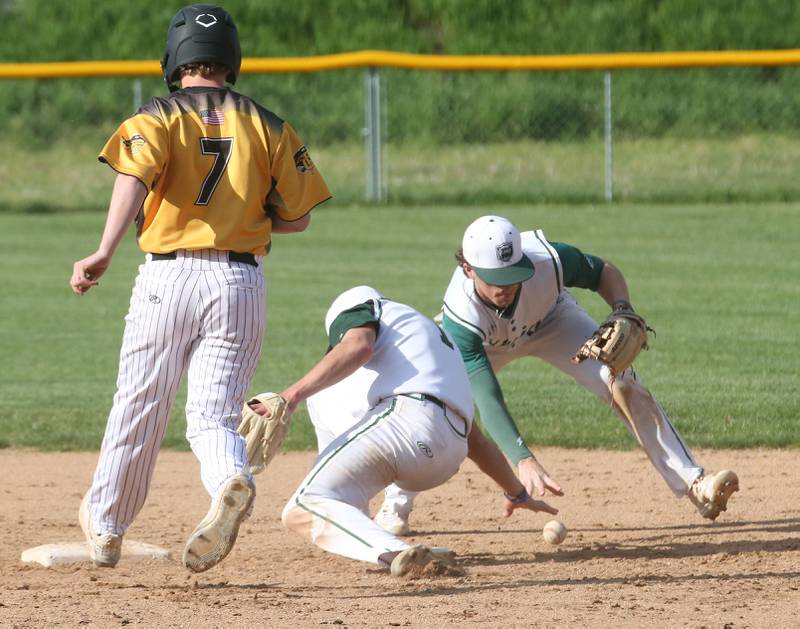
492	246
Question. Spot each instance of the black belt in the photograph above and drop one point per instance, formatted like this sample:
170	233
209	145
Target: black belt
233	256
424	397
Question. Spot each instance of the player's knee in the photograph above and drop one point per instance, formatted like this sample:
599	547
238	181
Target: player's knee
296	518
626	381
287	515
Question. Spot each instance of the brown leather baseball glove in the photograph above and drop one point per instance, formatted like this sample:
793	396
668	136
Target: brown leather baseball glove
617	342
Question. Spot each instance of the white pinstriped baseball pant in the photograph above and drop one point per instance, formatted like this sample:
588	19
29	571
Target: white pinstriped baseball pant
200	314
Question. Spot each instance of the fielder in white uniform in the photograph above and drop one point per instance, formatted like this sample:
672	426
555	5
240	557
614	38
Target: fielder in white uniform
415	430
508	299
208	175
336	409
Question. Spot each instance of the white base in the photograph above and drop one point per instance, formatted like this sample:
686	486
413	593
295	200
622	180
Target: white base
73	552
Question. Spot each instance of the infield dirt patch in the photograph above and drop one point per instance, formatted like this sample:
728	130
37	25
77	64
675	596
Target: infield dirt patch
634	556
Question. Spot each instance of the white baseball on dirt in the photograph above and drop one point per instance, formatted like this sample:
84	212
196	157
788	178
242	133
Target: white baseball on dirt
554	532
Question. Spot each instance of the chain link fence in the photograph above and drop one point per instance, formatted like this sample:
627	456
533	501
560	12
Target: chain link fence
688	135
411	136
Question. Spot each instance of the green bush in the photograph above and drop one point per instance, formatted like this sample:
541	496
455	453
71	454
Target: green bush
430	107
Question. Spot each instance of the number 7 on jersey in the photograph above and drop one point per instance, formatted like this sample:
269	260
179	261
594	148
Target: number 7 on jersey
221	149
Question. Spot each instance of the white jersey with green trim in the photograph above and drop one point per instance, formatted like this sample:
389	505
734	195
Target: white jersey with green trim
337	408
412	355
537	297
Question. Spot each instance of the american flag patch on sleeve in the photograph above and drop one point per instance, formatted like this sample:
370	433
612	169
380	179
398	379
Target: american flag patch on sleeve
212	117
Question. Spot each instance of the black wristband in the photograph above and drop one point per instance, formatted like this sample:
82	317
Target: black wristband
623	305
523	497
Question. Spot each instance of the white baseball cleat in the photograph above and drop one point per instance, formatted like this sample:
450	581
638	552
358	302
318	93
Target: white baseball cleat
104	550
389	519
215	536
710	493
422	561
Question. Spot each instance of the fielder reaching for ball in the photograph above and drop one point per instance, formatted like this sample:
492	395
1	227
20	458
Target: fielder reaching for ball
508	299
207	174
415	430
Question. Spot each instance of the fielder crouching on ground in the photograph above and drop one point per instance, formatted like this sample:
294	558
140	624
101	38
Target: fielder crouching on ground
416	433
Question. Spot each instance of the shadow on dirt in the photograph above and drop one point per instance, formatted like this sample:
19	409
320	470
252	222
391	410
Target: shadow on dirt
724	538
467	585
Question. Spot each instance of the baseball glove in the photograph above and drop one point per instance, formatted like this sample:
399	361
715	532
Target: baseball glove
617	342
264	435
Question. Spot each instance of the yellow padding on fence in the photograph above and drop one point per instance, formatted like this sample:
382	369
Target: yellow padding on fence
387	59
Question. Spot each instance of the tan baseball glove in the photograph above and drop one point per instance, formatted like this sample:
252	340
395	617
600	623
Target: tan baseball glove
617	342
264	435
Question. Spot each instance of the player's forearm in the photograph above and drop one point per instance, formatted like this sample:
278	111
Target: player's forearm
491	462
126	199
280	226
495	416
350	354
612	286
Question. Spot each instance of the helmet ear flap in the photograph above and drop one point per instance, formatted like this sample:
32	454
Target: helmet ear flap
164	61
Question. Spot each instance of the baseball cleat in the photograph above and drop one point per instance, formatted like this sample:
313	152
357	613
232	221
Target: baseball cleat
710	493
392	521
104	550
418	561
215	536
443	553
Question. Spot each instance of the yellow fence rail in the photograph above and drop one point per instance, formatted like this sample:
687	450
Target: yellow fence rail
387	59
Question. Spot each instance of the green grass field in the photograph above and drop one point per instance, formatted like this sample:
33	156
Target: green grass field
751	168
718	282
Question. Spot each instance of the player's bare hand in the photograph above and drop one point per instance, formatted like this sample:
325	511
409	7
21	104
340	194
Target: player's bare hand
530	504
87	272
536	479
262	410
259	408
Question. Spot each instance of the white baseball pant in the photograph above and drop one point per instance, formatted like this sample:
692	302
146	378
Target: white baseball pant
557	338
330	419
415	444
198	313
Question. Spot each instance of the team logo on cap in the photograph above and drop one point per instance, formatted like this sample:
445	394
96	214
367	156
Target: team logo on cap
505	251
206	20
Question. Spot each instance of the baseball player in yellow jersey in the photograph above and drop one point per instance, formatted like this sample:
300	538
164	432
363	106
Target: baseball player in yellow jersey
415	428
208	175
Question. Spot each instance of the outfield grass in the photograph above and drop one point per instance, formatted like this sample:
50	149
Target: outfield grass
718	282
745	168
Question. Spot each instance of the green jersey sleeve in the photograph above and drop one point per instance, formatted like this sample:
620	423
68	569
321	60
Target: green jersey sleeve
469	344
356	317
487	393
581	270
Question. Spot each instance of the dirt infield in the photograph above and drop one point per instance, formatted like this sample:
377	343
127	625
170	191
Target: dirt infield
635	556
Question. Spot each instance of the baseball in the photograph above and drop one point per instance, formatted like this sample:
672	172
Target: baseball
554	532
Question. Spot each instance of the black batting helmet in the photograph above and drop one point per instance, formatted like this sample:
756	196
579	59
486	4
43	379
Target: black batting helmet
201	33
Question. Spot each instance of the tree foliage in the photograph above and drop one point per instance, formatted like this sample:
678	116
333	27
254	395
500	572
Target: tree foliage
426	106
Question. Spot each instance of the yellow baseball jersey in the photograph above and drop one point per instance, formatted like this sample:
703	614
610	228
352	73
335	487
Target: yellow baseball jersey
217	165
